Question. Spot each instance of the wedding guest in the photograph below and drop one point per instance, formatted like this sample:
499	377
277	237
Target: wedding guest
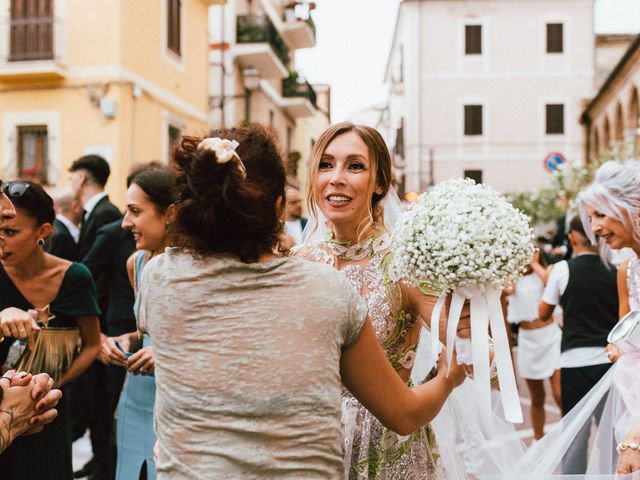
32	405
89	395
66	233
62	295
150	212
586	289
27	404
538	341
350	176
250	347
610	207
294	222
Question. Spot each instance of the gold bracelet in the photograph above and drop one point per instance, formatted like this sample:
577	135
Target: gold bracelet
622	446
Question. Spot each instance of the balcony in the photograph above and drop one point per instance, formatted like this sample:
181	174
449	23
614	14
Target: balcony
259	45
299	32
34	48
299	97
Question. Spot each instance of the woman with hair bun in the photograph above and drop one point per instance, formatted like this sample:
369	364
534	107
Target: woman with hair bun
40	290
250	347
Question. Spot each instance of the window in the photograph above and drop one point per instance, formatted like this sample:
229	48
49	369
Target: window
473	39
473	119
475	175
554	38
174	137
173	25
555	119
31	30
33	153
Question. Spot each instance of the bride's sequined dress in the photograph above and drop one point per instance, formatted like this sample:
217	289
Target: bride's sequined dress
370	450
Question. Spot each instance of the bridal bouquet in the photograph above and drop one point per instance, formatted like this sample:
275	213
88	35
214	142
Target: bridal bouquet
467	240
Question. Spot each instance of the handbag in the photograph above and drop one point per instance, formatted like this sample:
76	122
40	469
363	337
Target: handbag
626	334
54	350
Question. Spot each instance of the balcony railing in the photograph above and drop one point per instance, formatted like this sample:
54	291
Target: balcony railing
295	87
31	38
259	29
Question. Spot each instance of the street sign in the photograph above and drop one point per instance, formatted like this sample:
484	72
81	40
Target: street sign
553	161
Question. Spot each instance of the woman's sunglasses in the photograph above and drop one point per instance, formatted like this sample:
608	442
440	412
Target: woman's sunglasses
15	189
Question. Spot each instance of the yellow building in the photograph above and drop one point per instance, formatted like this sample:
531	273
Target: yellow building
121	78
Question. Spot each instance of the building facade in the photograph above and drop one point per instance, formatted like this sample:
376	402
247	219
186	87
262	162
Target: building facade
488	89
253	77
119	78
611	120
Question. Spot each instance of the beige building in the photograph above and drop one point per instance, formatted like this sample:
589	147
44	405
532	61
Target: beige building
122	78
611	119
488	89
253	75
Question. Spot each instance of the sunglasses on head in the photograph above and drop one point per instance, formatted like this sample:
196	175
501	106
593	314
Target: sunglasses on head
15	189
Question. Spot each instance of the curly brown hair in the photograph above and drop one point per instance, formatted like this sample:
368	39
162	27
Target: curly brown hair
222	210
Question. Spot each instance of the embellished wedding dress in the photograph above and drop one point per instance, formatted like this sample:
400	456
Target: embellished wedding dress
370	450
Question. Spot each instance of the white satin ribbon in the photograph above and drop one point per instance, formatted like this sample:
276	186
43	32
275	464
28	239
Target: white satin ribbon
486	310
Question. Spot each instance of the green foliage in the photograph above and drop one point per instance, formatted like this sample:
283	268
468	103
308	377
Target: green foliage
542	205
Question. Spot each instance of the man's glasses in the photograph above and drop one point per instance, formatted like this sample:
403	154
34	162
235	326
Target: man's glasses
15	189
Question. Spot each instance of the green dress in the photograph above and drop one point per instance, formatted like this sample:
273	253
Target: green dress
47	455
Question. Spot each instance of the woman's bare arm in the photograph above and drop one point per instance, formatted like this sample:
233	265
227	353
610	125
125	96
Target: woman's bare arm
367	373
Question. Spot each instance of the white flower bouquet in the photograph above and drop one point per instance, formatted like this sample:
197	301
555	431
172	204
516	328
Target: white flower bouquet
461	234
467	240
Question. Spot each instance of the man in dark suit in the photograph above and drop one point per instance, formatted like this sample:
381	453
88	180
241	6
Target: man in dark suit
89	396
64	239
108	258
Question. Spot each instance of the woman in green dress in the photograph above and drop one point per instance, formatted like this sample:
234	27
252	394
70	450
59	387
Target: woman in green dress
50	303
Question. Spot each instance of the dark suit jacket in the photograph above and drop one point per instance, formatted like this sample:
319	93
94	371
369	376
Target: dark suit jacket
303	222
104	212
61	244
108	259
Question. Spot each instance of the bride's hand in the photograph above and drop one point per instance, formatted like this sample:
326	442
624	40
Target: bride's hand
456	374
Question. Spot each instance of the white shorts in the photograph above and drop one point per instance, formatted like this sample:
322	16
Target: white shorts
539	351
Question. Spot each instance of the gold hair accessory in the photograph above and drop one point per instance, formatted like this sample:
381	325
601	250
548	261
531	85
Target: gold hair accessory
224	149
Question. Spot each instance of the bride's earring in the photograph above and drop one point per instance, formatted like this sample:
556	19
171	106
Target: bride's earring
40	242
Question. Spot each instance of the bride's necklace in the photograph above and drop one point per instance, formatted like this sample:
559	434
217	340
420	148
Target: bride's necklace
370	246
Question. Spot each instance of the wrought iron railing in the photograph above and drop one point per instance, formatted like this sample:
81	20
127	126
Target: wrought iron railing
295	87
259	29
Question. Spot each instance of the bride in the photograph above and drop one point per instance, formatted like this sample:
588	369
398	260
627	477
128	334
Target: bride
350	175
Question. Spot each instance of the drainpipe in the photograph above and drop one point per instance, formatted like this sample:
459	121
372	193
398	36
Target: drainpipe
586	121
420	116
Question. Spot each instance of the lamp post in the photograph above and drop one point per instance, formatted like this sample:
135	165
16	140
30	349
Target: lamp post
250	82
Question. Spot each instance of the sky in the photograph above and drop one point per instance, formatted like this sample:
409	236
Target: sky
354	38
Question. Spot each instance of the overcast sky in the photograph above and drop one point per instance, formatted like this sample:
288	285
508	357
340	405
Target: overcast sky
354	37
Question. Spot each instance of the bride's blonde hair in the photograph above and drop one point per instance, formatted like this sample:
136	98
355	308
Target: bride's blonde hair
380	165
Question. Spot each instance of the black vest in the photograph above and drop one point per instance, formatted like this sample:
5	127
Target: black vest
590	303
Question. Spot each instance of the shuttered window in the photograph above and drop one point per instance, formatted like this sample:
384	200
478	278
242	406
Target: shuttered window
473	119
33	153
475	175
473	39
174	11
555	41
31	30
555	119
